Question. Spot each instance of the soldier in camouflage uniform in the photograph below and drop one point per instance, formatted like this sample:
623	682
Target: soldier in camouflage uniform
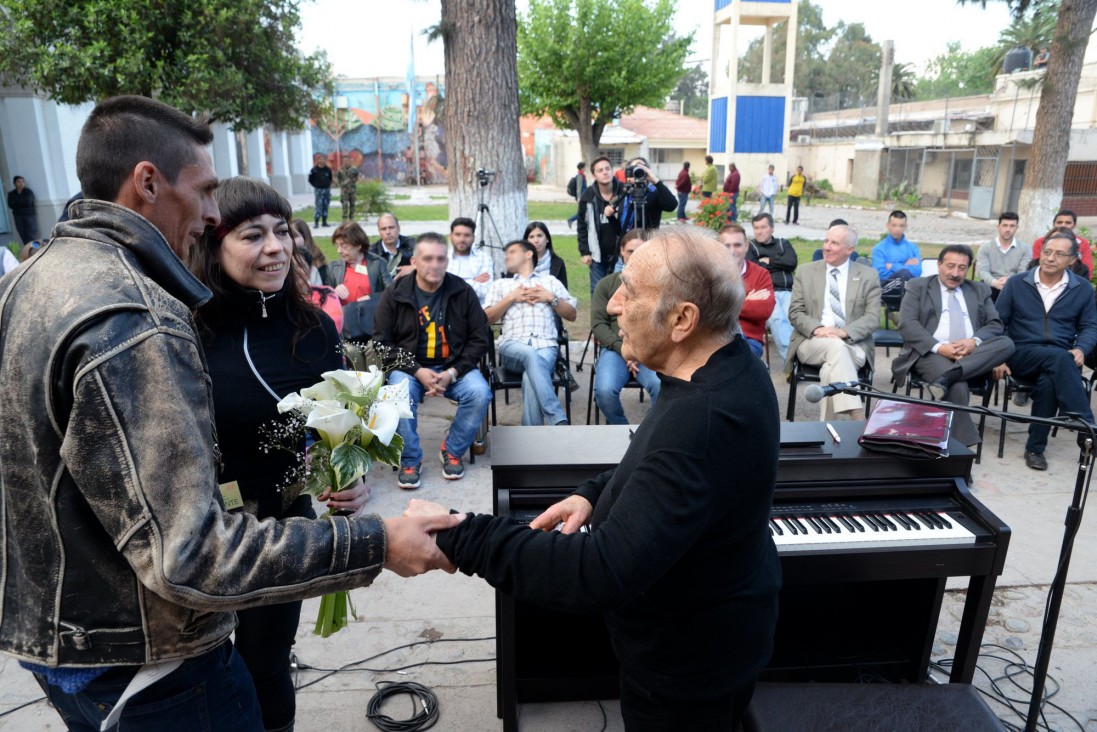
348	180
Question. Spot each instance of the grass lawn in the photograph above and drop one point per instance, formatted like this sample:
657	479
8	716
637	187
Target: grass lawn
538	211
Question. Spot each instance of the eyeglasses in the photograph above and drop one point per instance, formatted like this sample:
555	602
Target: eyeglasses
1052	254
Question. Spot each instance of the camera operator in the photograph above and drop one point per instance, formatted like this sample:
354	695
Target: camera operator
656	198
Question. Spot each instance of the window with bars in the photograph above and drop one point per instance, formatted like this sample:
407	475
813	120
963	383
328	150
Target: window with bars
1080	179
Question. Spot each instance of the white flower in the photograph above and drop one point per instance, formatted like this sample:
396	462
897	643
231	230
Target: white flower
323	391
295	403
332	422
356	383
384	418
398	396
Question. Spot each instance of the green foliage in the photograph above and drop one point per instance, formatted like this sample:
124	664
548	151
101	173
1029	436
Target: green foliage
904	193
582	62
824	185
692	91
232	59
958	73
374	197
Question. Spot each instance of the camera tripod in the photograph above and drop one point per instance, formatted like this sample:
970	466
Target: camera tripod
483	214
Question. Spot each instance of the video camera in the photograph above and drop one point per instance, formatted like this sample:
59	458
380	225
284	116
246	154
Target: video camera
485	177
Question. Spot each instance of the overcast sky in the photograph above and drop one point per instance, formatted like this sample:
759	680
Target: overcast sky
372	37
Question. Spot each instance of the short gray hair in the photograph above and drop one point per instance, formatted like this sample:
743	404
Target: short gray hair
850	238
697	269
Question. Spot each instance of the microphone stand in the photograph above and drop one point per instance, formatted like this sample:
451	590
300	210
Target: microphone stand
1087	438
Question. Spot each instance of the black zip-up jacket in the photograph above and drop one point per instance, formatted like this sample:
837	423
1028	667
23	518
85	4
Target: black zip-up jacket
321	176
21	204
596	233
782	260
116	548
396	323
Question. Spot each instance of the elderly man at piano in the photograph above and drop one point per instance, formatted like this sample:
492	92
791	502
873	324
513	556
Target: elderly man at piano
678	555
951	334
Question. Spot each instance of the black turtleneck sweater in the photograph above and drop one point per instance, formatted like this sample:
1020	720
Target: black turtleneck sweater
242	405
679	555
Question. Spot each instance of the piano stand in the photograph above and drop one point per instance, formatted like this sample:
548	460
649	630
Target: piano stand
868	708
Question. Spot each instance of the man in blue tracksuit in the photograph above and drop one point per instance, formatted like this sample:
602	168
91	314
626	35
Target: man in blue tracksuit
1049	314
895	255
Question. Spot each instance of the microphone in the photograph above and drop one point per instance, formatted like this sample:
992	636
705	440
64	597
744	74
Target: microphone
816	393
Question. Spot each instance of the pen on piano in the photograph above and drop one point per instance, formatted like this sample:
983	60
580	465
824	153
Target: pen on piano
834	434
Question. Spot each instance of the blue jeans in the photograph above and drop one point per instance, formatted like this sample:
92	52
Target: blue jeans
540	405
209	692
473	396
1058	387
598	270
682	199
778	322
322	198
764	201
610	376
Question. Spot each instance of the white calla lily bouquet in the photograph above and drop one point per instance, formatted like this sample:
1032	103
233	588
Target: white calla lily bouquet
353	418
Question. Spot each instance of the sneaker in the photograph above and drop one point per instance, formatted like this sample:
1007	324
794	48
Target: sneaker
1020	399
1036	460
408	479
452	466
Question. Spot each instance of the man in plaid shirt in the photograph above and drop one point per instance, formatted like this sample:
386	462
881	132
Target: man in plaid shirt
528	304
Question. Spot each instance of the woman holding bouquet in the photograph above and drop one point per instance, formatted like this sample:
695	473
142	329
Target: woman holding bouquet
264	339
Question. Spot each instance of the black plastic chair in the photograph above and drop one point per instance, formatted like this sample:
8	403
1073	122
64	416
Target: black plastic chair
1015	385
503	380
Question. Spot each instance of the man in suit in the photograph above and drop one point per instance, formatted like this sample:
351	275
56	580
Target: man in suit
951	334
835	310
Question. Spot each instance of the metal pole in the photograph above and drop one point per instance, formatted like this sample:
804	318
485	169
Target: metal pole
377	100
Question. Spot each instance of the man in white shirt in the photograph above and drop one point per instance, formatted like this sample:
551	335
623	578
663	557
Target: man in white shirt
767	191
834	311
473	266
951	334
1002	257
529	304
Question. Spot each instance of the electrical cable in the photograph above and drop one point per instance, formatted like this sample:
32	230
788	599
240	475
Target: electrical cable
419	721
24	705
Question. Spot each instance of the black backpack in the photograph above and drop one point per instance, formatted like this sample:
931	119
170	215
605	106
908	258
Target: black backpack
573	186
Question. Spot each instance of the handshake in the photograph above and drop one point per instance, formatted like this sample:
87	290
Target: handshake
412	547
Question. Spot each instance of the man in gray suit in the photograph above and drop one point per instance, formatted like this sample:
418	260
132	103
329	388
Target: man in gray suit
834	311
951	333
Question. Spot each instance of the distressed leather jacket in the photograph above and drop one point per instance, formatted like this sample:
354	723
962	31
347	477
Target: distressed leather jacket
116	547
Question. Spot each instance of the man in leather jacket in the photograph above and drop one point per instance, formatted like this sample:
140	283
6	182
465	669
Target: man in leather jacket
120	559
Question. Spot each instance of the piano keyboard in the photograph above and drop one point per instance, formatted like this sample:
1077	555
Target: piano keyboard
852	526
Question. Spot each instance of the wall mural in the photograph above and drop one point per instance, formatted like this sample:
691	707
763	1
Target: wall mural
372	131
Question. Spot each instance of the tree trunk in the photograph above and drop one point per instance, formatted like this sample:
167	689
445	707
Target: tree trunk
481	51
1042	194
590	132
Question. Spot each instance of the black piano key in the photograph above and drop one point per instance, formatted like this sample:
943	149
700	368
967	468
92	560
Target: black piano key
813	525
888	523
849	524
822	521
937	523
773	527
857	524
833	525
791	525
801	525
870	522
922	517
945	521
913	524
903	521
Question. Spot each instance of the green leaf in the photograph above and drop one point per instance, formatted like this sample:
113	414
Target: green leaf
349	463
389	455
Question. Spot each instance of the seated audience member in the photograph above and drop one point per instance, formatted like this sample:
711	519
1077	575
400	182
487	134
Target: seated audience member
613	371
302	239
394	249
466	261
358	278
951	334
436	319
759	302
1050	316
818	253
528	304
321	296
835	310
1068	219
1002	257
778	257
896	257
548	263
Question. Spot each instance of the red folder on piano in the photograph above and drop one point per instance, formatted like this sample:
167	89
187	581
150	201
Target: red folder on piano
910	430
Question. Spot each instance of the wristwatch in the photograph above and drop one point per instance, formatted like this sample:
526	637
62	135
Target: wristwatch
555	302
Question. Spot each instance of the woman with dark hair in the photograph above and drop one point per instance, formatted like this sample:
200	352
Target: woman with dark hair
548	262
263	340
302	239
